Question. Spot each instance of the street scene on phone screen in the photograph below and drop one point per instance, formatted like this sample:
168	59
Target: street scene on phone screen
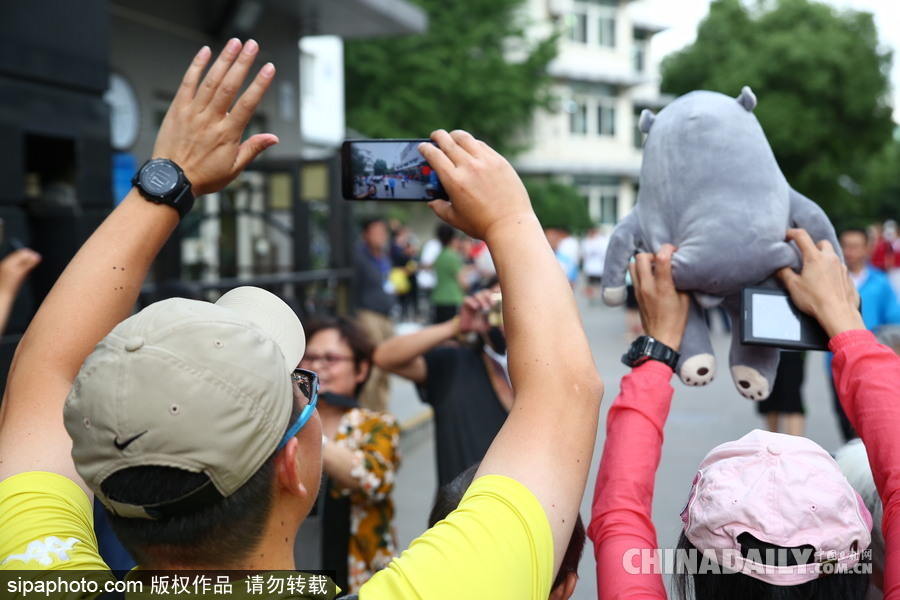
388	170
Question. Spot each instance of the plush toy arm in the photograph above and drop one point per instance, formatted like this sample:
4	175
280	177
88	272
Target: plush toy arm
807	214
624	241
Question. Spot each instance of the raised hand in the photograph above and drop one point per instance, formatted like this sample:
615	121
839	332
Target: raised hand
203	127
483	186
473	313
664	310
823	288
15	268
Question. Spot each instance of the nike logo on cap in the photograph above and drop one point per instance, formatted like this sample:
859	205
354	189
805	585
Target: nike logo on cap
126	443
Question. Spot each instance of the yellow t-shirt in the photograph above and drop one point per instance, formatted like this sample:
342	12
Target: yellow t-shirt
496	545
46	523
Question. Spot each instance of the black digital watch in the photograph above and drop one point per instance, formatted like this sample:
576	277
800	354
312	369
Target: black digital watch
162	181
647	348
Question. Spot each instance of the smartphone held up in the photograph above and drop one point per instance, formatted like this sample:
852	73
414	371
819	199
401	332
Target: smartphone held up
388	170
770	318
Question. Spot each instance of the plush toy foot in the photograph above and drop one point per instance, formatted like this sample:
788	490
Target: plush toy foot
698	370
614	296
750	383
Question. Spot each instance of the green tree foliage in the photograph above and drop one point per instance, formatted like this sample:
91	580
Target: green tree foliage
380	167
558	205
822	85
881	185
474	69
359	161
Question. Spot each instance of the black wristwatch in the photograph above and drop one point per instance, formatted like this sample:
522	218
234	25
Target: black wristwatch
646	348
162	181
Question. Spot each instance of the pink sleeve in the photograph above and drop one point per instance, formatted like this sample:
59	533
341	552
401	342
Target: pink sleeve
867	378
621	522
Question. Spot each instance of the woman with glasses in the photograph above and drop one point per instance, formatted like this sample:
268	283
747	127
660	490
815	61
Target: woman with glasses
360	454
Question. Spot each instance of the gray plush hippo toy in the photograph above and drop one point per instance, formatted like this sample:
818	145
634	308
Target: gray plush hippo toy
710	185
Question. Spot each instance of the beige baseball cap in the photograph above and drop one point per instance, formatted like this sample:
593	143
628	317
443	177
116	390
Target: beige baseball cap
187	384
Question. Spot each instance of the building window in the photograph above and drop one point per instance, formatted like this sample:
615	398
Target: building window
606	119
606	31
593	22
609	206
639	51
578	116
576	23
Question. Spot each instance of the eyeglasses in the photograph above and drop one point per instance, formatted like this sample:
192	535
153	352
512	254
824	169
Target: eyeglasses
308	382
328	359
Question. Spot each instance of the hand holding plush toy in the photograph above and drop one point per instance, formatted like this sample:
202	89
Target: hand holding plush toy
710	186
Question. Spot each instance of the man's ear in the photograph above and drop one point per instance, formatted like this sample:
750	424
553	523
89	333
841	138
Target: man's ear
565	589
287	469
362	371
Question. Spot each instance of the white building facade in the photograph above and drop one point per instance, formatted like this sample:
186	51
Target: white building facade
602	82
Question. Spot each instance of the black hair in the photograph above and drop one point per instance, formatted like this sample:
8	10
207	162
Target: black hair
369	221
738	586
450	494
445	234
219	535
351	332
858	230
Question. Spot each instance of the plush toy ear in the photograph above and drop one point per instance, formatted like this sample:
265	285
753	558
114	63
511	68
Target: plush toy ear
747	99
646	120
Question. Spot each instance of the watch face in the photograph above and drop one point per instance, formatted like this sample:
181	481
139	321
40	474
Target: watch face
159	178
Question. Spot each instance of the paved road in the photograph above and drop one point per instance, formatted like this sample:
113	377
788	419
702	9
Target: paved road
412	190
700	419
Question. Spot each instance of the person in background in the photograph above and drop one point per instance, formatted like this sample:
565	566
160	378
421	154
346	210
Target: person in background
881	251
484	273
566	249
879	304
375	298
451	275
14	269
783	410
593	253
425	278
403	269
360	454
466	385
892	235
854	464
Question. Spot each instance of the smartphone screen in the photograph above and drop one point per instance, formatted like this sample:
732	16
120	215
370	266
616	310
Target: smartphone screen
769	318
387	170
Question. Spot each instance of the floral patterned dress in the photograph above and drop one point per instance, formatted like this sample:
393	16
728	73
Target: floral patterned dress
374	439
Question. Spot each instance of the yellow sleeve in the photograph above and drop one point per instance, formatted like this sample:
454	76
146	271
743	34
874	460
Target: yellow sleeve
496	545
47	523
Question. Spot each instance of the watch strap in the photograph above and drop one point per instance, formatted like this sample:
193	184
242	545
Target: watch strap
180	198
646	348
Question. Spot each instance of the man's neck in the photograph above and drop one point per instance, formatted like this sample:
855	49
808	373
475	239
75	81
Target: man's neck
273	552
